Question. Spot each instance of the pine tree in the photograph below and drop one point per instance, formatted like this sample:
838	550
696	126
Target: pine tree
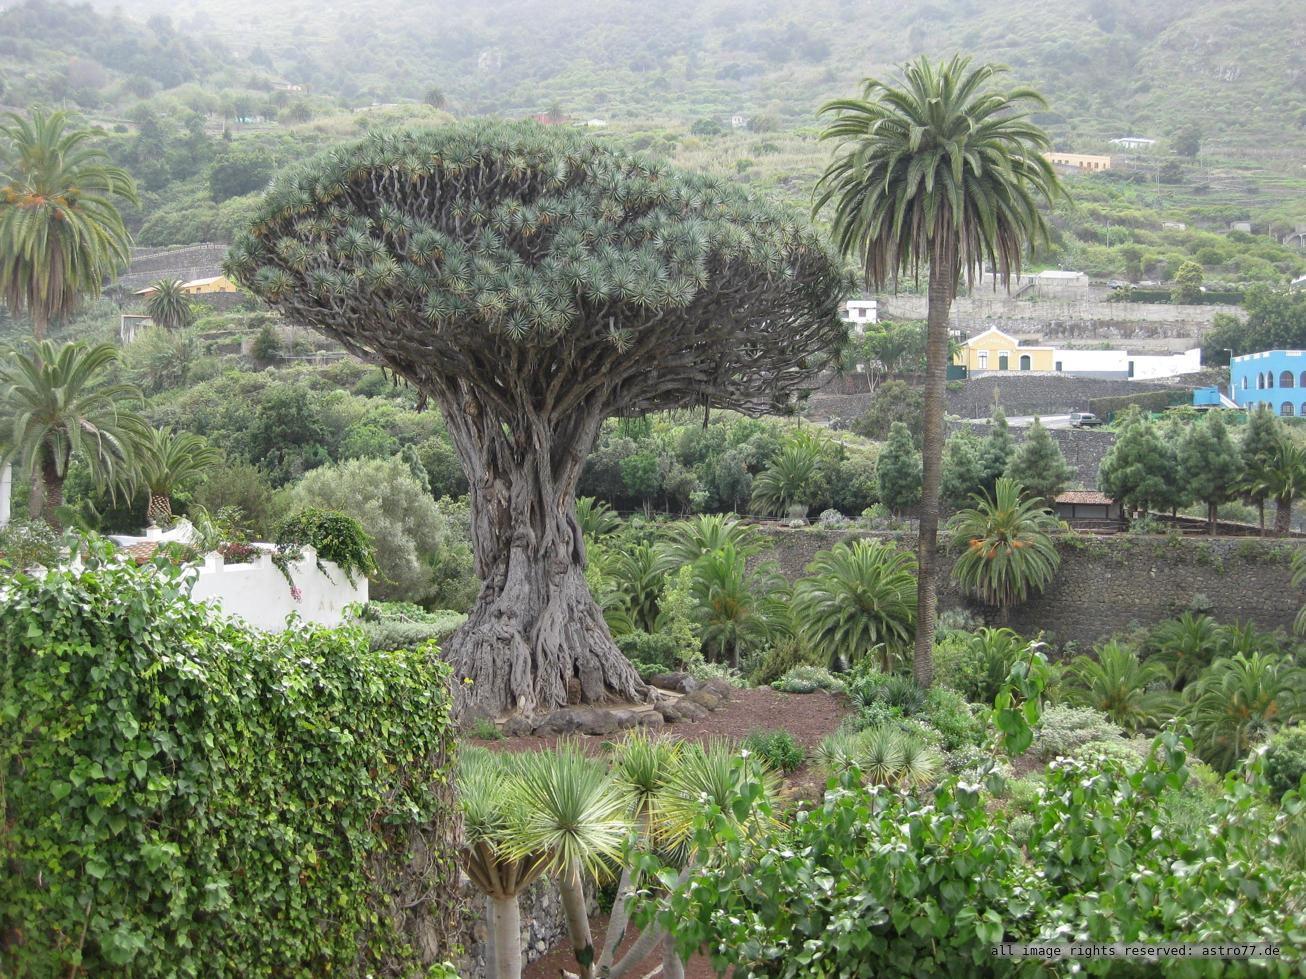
1039	466
1260	443
1209	465
997	449
1140	471
963	472
900	470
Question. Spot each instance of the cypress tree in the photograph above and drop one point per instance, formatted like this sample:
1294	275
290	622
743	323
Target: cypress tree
1039	466
899	468
963	472
1260	443
996	452
1209	466
1141	471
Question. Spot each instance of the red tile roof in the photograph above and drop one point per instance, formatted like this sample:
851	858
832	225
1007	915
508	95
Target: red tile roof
1085	496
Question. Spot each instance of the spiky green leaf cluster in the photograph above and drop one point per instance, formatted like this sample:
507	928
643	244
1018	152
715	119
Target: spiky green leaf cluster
482	247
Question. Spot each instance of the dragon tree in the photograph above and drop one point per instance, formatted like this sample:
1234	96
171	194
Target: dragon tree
533	282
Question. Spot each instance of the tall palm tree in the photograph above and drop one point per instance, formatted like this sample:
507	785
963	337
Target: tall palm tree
1121	687
170	307
1185	646
944	171
856	597
168	459
61	233
1007	552
1282	478
59	402
639	572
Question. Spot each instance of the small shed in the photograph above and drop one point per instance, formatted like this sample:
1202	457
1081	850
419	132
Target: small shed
1089	508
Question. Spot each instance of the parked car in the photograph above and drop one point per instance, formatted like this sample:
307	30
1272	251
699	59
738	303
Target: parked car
1084	419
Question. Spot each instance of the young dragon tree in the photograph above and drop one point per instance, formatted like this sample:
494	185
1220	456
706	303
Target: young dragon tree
533	282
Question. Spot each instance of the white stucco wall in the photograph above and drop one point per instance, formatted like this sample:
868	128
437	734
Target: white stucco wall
1096	361
258	593
1150	367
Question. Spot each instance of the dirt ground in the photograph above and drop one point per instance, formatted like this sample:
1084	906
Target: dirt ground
808	717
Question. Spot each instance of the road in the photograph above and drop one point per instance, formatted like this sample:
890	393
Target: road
1024	421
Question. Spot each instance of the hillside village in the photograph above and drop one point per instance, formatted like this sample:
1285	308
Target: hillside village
534	489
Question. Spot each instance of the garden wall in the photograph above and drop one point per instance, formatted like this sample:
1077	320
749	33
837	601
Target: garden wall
1107	584
258	592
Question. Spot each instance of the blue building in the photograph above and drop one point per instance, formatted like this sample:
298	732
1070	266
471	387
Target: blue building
1273	377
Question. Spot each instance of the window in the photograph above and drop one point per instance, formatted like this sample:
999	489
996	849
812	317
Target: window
1004	364
983	360
1286	409
1260	381
1303	379
1269	379
1058	367
1286	379
1244	382
1131	368
1025	362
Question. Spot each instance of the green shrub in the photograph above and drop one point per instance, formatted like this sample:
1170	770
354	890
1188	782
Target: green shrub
976	666
947	712
655	652
808	679
27	544
902	883
1285	760
781	657
335	536
1063	729
402	625
869	686
183	796
778	750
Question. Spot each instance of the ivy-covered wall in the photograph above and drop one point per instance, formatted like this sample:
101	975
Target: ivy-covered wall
182	796
1106	584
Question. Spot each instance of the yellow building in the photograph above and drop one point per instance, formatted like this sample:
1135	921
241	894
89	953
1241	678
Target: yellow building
994	350
1080	161
199	287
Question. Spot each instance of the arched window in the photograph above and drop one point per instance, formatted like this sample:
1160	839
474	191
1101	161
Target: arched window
1269	379
1025	362
1260	381
1303	379
1003	363
1286	379
1244	382
1286	409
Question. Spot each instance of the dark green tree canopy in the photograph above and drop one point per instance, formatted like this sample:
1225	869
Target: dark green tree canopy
463	253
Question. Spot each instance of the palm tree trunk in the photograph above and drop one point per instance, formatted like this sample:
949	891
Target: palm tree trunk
1283	516
1211	516
943	280
40	324
6	486
1260	505
578	922
505	917
51	491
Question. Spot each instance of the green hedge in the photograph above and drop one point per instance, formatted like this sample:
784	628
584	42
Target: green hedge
1106	408
185	797
402	625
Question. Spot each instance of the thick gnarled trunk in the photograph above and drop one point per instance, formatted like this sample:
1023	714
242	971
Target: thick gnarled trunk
535	626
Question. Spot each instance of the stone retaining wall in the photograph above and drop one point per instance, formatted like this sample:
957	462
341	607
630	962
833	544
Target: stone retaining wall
1108	584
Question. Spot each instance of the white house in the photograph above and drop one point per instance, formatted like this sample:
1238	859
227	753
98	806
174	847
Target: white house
1061	284
859	312
738	122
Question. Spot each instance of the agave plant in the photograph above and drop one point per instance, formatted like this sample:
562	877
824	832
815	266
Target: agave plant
885	755
858	597
1122	687
1007	552
1185	646
1240	701
689	540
